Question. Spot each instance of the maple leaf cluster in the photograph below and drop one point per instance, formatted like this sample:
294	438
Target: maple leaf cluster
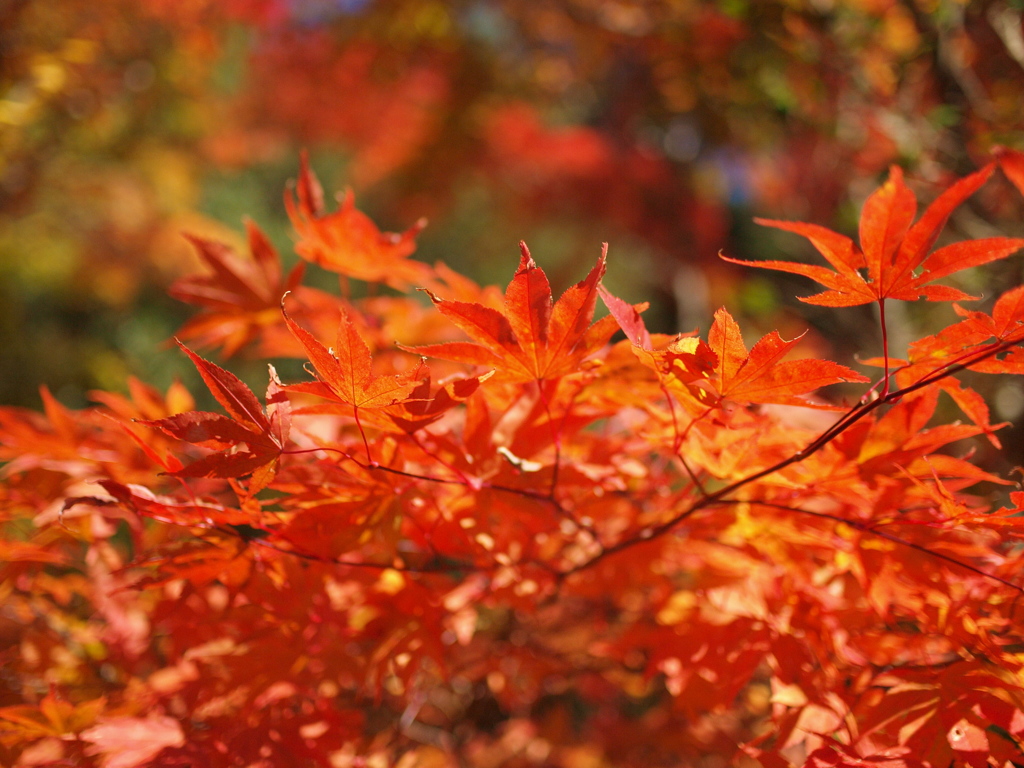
482	532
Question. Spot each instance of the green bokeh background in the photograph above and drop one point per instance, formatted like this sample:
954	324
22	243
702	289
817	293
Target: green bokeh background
125	123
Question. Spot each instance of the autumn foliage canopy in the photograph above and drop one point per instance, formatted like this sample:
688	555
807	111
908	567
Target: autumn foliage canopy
482	531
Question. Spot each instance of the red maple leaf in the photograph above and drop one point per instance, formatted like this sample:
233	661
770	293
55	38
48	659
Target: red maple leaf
1011	161
240	297
531	339
347	241
248	443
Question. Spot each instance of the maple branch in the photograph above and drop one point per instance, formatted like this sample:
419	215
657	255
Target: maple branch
862	410
1004	344
300	451
868	528
476	484
411	475
851	417
463	478
454	481
372	466
480	484
966	361
872	392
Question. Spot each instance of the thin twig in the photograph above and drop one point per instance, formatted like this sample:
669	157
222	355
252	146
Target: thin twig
885	347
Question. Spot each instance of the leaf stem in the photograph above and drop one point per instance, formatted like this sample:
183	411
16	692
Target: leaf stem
556	436
885	347
362	433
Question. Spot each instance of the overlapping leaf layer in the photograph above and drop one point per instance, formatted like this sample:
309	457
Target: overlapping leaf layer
538	547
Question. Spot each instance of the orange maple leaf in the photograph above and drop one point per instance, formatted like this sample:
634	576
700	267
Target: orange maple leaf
894	252
531	339
762	375
347	241
723	366
344	372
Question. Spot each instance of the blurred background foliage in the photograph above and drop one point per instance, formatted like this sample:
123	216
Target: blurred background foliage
661	127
